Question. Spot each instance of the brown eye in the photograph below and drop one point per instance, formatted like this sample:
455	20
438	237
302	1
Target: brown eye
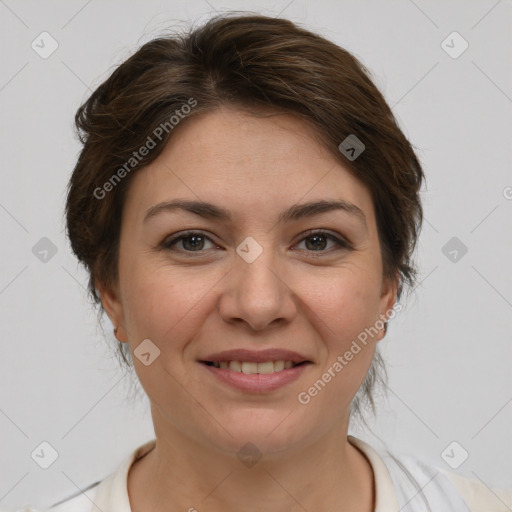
318	242
189	242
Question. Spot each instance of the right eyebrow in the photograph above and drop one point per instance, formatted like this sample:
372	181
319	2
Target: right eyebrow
201	208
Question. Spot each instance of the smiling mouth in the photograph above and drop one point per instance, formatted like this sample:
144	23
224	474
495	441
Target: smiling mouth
253	367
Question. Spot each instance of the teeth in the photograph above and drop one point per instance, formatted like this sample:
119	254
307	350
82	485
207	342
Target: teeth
267	367
235	366
279	365
252	367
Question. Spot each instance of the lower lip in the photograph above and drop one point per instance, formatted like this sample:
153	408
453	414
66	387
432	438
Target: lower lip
256	382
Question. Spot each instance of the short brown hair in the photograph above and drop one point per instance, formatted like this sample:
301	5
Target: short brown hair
251	62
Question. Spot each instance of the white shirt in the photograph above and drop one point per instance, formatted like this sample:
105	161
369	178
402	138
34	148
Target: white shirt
444	490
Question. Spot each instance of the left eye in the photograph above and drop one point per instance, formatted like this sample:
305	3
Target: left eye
195	242
320	241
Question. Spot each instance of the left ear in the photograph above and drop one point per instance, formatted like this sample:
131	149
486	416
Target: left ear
389	288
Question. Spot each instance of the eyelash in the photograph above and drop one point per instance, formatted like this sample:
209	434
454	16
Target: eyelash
169	243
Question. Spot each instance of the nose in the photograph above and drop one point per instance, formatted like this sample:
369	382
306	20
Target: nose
257	294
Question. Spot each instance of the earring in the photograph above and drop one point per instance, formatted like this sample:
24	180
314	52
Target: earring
385	328
115	330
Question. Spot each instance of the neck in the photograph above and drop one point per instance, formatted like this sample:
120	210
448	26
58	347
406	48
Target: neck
330	474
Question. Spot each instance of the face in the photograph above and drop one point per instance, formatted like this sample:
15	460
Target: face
255	270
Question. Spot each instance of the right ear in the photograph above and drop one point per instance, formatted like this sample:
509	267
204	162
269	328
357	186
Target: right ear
110	298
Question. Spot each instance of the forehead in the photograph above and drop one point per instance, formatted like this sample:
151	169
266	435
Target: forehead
248	163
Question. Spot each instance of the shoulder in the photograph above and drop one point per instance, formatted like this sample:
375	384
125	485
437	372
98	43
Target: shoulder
82	501
481	496
79	502
408	484
417	481
103	495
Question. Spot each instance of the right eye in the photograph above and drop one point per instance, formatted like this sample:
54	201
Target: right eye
191	241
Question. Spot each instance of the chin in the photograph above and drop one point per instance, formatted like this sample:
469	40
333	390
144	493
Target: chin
264	433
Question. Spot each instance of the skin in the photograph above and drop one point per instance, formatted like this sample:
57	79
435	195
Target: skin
293	296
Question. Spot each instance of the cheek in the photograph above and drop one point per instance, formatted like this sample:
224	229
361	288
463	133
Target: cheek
162	302
346	301
345	308
164	307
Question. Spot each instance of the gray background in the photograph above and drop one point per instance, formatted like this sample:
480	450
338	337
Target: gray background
448	352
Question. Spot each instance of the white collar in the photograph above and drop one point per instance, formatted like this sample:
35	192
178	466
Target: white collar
385	497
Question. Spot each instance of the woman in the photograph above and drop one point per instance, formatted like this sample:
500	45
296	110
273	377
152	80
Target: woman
247	208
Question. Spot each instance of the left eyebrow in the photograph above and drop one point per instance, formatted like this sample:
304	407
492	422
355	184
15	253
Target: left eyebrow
311	209
295	212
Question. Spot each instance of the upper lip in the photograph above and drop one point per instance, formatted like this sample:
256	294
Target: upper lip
256	356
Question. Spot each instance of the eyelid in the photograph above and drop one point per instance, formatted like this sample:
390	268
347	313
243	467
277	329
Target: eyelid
334	236
169	242
341	241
